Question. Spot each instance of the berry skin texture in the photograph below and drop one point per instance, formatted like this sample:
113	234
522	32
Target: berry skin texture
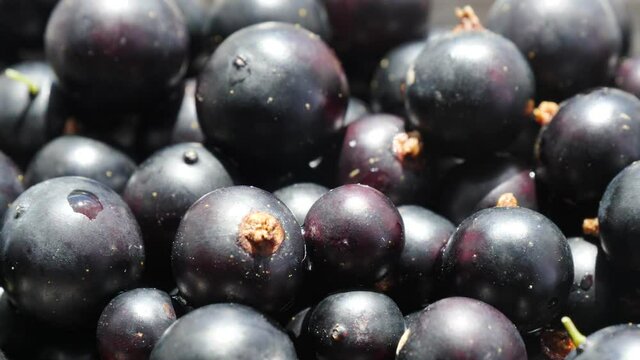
628	76
272	81
611	343
618	213
354	235
355	325
132	323
470	92
124	53
570	47
459	328
224	331
588	142
10	183
239	244
67	246
300	197
81	156
514	259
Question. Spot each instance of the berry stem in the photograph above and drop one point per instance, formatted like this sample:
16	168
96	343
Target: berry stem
576	336
16	75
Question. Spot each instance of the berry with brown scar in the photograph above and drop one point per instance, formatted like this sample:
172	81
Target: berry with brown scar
470	90
239	244
354	235
378	151
592	137
512	258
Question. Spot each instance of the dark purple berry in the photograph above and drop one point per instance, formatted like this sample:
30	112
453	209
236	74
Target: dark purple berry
611	343
80	156
224	331
123	53
267	82
355	325
460	328
160	192
354	235
187	127
590	140
132	323
514	259
67	246
624	16
571	47
379	152
628	76
471	102
356	109
255	254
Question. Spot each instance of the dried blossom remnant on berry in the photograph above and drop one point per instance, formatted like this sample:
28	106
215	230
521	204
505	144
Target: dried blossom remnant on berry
591	227
545	112
407	145
507	200
260	234
469	21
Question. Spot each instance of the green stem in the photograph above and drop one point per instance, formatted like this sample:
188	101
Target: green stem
576	337
13	74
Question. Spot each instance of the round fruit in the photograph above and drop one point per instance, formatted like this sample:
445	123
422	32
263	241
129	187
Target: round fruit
116	52
611	343
591	139
628	76
470	102
10	183
80	156
514	259
133	322
354	235
570	46
224	331
67	246
255	254
355	325
272	81
461	328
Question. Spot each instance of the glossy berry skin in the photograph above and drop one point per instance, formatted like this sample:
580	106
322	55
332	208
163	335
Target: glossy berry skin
470	102
224	331
628	76
10	183
80	156
477	185
114	58
187	128
611	343
132	323
27	121
570	48
371	155
355	325
460	328
617	215
229	16
188	171
262	269
590	140
425	236
281	82
373	27
514	259
390	79
67	246
196	17
354	236
300	197
590	302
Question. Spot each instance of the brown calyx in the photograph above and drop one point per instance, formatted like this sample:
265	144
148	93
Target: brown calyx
507	200
407	145
260	234
591	227
556	344
469	21
545	112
